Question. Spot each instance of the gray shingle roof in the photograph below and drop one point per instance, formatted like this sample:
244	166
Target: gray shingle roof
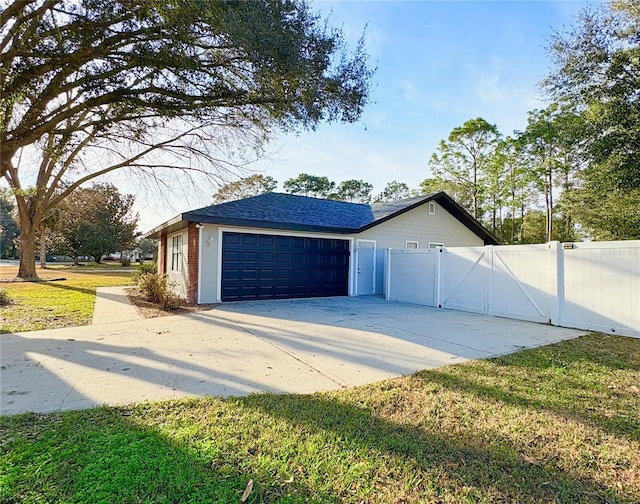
300	213
287	211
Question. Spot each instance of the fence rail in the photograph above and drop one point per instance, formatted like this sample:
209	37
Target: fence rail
593	286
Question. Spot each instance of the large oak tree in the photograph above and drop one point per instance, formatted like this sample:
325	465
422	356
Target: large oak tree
92	86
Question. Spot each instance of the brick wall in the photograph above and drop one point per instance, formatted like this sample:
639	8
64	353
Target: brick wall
162	254
192	262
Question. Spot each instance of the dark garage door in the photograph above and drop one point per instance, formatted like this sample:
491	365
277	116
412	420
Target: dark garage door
256	266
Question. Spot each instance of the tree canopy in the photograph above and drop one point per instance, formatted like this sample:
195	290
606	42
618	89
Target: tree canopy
355	191
596	75
393	191
91	86
95	222
464	157
309	185
246	187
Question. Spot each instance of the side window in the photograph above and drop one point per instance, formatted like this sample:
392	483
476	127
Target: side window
176	253
411	244
436	244
432	208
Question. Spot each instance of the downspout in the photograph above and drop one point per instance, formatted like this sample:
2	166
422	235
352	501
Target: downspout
200	245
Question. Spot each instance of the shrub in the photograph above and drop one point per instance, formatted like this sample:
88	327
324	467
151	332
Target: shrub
155	288
144	269
5	299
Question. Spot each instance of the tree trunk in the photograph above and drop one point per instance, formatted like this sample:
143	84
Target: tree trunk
550	207
27	268
43	248
513	216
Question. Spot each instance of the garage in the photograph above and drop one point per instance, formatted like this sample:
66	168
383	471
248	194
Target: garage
263	266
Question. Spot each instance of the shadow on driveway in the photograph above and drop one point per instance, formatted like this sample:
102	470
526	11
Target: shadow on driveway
297	346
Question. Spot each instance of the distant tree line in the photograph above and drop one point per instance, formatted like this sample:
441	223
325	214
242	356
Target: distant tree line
354	191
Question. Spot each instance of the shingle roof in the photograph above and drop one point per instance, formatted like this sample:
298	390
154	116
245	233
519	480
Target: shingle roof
301	213
287	211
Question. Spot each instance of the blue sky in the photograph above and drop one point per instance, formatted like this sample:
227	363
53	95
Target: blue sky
439	63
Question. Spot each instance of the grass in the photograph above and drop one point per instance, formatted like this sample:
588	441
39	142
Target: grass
60	303
555	424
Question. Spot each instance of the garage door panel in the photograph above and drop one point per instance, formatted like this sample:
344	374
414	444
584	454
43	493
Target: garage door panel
229	256
249	239
267	257
283	274
267	241
267	274
272	266
249	274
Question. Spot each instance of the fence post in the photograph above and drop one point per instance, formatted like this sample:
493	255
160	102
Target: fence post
488	292
556	281
439	277
387	273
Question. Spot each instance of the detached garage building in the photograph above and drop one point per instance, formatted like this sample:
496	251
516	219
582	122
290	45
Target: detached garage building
279	246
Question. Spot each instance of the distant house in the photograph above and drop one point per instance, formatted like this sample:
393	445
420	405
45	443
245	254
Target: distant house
278	246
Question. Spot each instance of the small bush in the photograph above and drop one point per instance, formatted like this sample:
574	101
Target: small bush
144	269
5	299
154	288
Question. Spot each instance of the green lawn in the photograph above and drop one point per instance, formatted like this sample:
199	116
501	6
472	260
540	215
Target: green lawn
60	303
556	424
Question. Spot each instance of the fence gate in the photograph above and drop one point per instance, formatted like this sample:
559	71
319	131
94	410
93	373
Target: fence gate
593	286
464	273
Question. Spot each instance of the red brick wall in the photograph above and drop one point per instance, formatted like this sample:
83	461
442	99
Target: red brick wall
162	254
193	236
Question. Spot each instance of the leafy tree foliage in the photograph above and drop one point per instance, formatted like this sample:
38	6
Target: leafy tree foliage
148	247
92	86
244	188
541	143
454	189
597	75
97	221
9	230
393	191
309	185
355	191
464	157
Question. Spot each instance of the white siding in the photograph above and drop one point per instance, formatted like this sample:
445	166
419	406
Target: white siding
177	279
418	225
209	264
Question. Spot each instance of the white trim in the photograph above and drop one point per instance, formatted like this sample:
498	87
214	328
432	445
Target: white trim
219	267
351	288
407	242
200	228
285	232
357	261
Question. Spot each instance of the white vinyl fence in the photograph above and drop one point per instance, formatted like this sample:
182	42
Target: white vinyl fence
594	286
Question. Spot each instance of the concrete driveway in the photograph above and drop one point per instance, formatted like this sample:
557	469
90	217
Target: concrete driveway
297	346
